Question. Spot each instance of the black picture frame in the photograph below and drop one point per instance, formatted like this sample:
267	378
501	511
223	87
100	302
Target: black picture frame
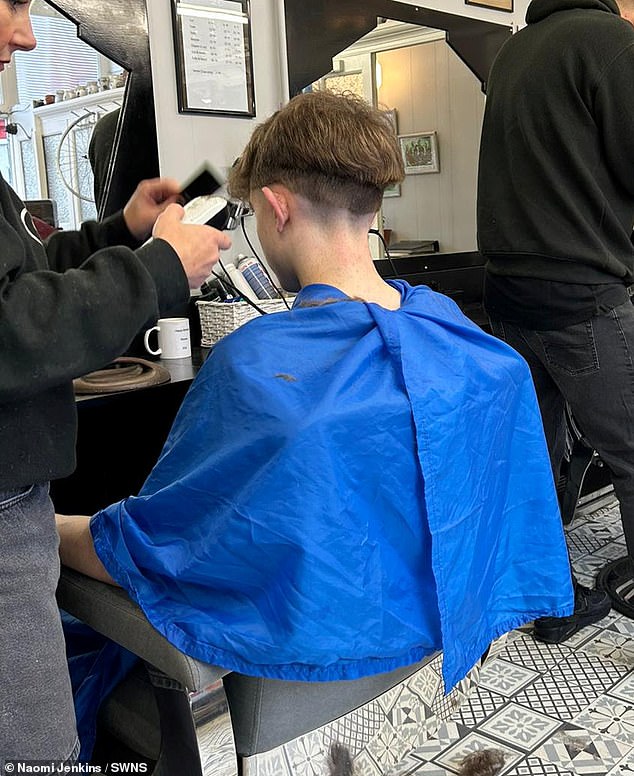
223	57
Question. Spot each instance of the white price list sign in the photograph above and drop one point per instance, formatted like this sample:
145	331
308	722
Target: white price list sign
213	46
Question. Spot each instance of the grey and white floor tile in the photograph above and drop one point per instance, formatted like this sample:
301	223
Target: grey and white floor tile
584	752
479	706
625	767
625	688
622	625
585	634
611	551
535	655
505	678
610	716
553	710
612	645
451	758
518	725
533	766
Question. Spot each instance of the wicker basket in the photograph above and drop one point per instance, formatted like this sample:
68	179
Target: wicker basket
218	319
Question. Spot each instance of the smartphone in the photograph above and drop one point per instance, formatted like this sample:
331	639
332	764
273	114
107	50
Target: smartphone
204	182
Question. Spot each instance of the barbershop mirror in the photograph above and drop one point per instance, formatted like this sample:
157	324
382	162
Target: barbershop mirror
429	70
119	31
436	105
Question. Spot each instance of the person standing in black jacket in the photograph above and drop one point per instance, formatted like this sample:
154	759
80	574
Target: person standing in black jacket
555	214
65	309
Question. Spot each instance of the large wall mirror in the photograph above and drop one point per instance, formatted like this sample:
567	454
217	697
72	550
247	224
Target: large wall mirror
429	70
119	31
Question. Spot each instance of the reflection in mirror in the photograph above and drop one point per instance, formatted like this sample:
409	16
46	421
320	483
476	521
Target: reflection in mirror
78	45
121	34
436	105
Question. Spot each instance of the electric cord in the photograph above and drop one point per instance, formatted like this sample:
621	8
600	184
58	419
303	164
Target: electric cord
385	248
262	264
12	128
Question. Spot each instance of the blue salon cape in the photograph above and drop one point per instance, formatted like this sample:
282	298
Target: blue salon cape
345	490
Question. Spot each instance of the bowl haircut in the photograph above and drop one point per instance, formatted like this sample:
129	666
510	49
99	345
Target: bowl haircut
335	150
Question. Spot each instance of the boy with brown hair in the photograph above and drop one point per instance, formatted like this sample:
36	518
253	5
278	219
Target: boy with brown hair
350	485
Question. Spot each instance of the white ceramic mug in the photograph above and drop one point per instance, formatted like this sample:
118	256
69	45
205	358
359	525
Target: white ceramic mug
173	338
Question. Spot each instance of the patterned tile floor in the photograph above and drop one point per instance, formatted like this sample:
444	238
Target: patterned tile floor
561	710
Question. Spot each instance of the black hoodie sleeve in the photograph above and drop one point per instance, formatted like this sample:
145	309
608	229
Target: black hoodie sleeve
66	250
614	112
57	325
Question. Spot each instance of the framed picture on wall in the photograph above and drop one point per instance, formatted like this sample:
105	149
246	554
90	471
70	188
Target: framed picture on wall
420	152
496	5
214	62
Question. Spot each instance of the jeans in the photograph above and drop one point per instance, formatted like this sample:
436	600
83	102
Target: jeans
590	366
37	719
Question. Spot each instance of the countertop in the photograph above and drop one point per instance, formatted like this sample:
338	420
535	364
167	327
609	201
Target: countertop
120	436
180	369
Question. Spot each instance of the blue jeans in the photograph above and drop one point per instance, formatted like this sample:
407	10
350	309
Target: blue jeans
590	366
37	719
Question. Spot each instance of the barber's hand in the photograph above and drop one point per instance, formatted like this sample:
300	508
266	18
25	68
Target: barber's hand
147	203
198	246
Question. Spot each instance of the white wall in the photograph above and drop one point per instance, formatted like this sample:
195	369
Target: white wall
186	139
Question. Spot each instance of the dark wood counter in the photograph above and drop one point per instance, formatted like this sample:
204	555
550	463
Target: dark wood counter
458	275
120	436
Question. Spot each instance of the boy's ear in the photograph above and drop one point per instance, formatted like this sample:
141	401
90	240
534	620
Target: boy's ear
279	203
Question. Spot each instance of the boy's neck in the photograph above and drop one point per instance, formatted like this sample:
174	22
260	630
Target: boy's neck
341	258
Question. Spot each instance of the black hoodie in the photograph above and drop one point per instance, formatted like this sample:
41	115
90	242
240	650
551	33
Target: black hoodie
556	176
64	311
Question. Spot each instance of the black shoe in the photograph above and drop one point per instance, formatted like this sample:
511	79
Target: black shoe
590	606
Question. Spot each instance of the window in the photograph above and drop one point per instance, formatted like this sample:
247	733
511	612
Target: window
61	60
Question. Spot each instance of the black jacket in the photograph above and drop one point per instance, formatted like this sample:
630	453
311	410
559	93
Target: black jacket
65	310
556	175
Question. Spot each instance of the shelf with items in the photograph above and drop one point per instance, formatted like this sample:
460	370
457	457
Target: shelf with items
102	102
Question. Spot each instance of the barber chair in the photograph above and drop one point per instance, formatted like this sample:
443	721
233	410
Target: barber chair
197	719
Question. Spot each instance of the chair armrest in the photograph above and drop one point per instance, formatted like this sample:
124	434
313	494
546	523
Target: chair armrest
110	611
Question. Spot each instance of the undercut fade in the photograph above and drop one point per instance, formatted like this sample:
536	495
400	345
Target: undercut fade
335	150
